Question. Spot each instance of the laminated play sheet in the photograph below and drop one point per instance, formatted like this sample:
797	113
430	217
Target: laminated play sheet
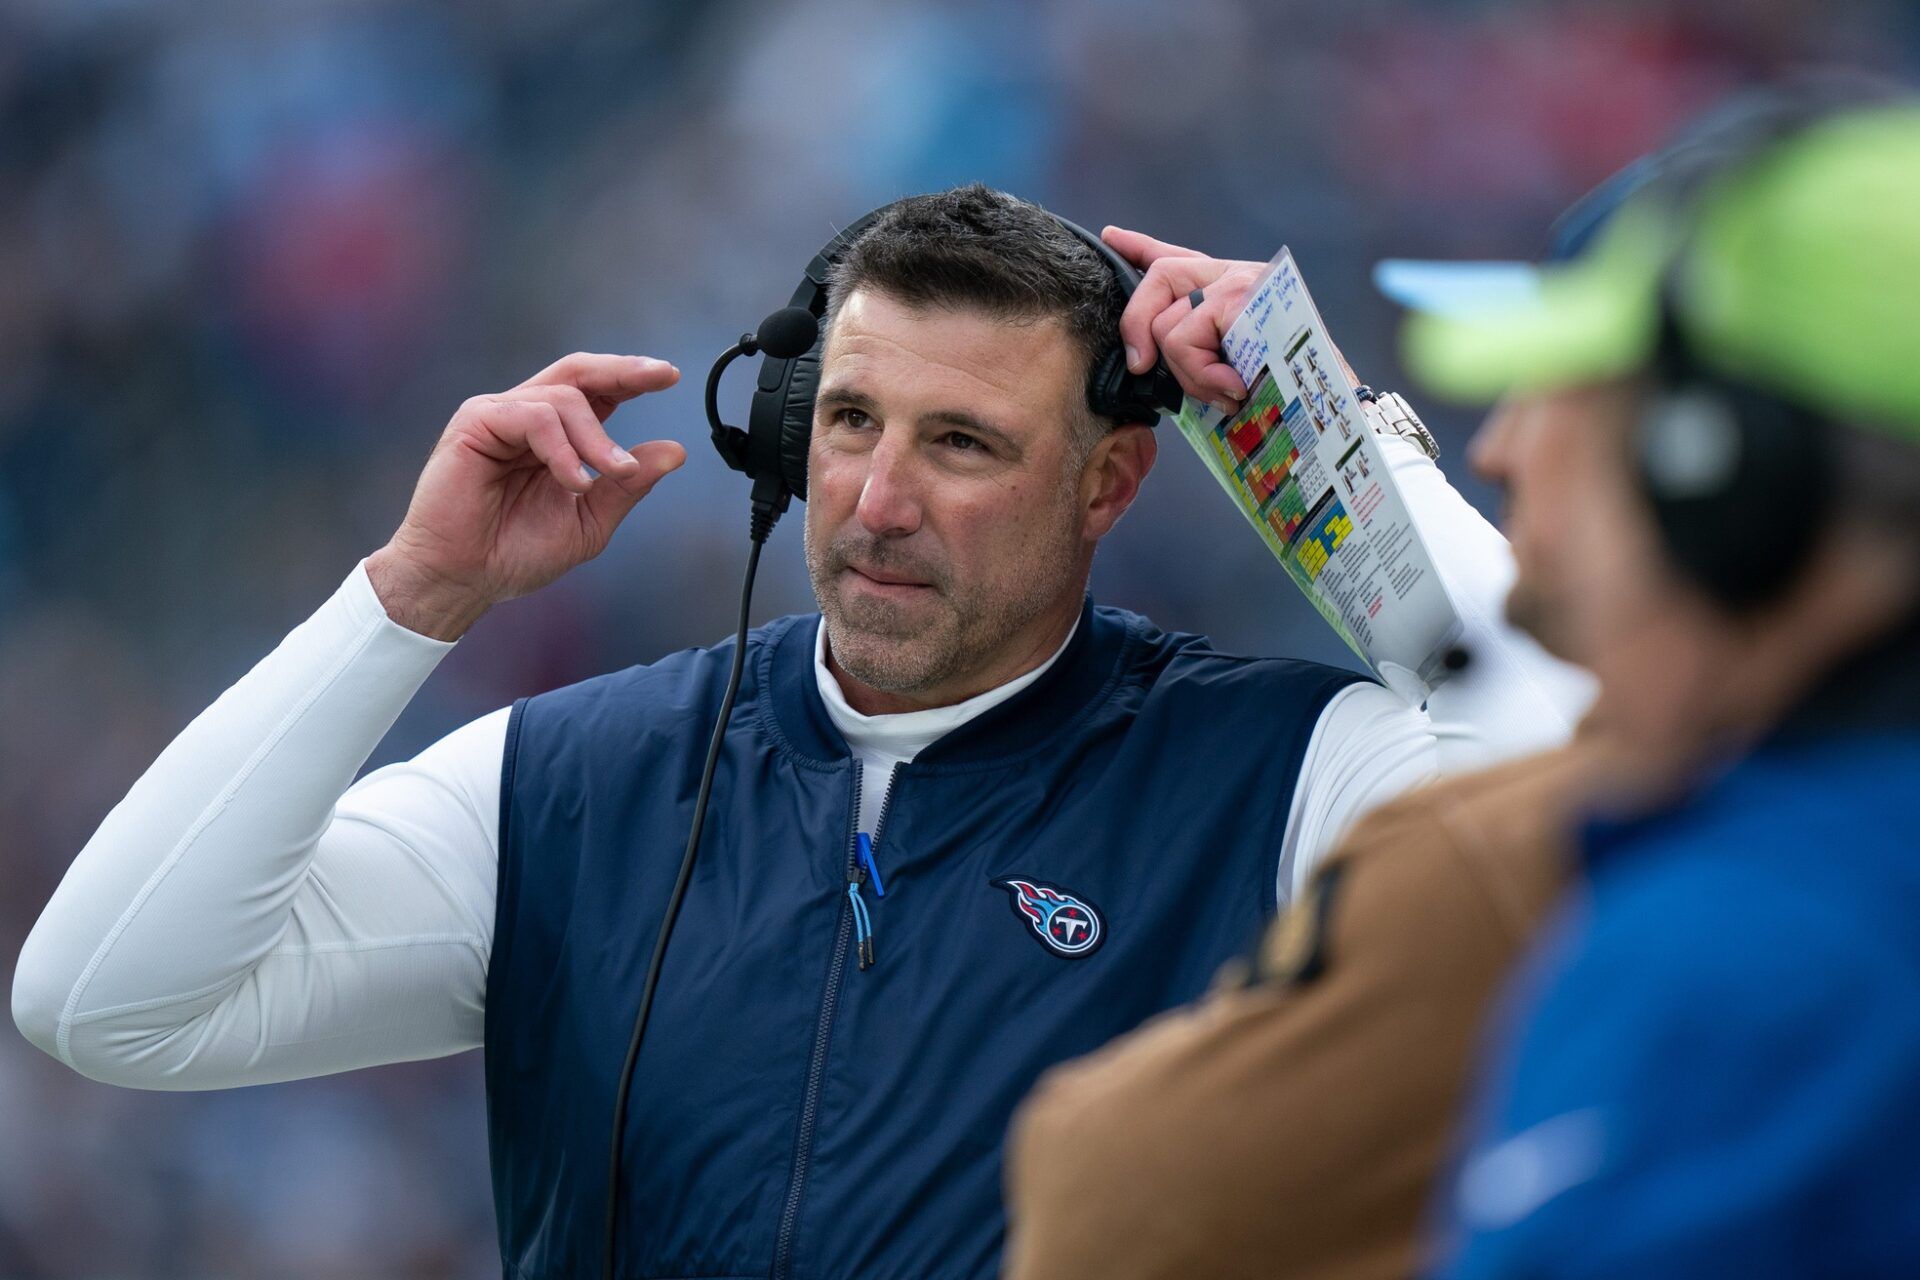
1303	467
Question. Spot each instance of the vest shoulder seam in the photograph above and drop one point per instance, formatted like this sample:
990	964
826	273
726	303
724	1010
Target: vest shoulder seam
764	714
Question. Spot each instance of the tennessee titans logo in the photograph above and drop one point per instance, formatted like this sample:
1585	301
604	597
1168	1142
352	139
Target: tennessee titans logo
1068	925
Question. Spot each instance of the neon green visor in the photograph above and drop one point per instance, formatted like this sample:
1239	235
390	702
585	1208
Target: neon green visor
1798	270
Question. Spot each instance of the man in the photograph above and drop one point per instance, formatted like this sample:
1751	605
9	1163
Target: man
1348	1046
1054	798
1710	1061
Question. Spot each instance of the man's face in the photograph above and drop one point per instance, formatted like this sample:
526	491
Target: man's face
947	532
1570	513
1593	584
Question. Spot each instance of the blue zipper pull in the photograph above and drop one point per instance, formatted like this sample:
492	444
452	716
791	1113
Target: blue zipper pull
872	867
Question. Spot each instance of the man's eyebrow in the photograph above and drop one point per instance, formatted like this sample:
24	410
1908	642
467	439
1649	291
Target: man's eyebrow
847	398
976	424
850	398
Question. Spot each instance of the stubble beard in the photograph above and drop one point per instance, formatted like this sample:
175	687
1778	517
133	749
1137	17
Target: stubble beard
1537	613
911	649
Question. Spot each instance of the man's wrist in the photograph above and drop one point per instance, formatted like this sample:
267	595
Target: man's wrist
1388	413
421	601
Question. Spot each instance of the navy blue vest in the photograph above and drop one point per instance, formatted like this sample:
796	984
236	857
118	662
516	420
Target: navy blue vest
1077	859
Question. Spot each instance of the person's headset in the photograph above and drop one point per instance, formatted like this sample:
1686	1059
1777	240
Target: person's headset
772	451
773	447
1740	481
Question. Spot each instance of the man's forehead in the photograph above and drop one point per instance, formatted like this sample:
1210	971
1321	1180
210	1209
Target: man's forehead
881	343
1610	406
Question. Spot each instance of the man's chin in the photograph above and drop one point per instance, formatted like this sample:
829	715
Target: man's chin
887	663
883	620
1531	611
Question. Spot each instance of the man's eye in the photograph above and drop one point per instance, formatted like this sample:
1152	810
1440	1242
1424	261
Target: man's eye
962	441
854	418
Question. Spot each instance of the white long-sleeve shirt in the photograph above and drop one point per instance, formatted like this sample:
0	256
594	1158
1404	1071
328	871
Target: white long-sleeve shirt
249	913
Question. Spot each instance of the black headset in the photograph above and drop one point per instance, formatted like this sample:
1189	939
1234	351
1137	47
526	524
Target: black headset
772	451
780	423
1740	481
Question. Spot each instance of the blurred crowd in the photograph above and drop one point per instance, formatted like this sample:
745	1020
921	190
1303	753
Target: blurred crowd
251	259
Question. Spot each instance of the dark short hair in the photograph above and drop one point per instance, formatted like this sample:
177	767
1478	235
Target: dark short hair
976	247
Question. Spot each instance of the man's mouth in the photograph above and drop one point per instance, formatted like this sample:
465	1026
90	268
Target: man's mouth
887	578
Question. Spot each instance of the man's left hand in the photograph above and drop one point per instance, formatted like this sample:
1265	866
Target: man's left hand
1161	319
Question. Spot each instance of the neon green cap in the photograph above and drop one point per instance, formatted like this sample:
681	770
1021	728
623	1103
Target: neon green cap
1797	270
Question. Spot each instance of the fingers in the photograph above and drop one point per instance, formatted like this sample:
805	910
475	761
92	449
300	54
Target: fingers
1142	250
1187	337
608	380
1163	288
583	426
608	504
559	416
1192	351
1163	300
506	428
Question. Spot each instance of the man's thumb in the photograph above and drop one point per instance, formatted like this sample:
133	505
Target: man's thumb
614	495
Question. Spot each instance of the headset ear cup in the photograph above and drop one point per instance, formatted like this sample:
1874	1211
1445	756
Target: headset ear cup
1103	383
780	424
1117	393
796	419
1740	485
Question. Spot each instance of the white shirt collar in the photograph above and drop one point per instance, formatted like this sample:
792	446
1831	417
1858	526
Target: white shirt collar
907	733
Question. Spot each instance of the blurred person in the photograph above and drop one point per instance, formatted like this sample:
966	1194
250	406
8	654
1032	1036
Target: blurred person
1345	1040
1346	1043
1707	1064
1039	805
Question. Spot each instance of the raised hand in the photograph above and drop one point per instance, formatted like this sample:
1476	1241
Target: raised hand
1159	320
506	504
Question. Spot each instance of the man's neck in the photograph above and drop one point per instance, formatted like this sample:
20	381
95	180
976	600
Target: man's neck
1023	654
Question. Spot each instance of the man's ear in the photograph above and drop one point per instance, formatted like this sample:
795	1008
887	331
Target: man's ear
1113	476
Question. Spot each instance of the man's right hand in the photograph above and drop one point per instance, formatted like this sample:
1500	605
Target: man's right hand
506	505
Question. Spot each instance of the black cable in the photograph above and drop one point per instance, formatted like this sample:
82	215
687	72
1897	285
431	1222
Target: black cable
730	441
679	893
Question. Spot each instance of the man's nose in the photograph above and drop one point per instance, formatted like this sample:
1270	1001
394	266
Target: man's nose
1488	452
890	497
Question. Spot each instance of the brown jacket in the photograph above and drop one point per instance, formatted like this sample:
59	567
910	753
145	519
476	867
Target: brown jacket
1294	1127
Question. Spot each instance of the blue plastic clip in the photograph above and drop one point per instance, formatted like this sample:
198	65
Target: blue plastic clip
873	867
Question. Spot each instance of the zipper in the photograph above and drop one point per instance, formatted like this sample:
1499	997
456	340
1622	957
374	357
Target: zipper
853	913
866	867
817	1065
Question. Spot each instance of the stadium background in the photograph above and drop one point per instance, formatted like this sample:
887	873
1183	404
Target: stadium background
252	257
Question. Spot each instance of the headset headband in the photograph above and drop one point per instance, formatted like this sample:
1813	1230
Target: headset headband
781	424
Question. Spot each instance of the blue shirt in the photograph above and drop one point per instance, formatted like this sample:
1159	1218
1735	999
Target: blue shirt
1712	1064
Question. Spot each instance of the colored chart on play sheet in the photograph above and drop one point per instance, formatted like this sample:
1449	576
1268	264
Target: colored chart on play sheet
1302	434
1284	511
1253	426
1258	447
1331	525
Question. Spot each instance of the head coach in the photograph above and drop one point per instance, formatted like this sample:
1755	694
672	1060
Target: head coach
965	824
